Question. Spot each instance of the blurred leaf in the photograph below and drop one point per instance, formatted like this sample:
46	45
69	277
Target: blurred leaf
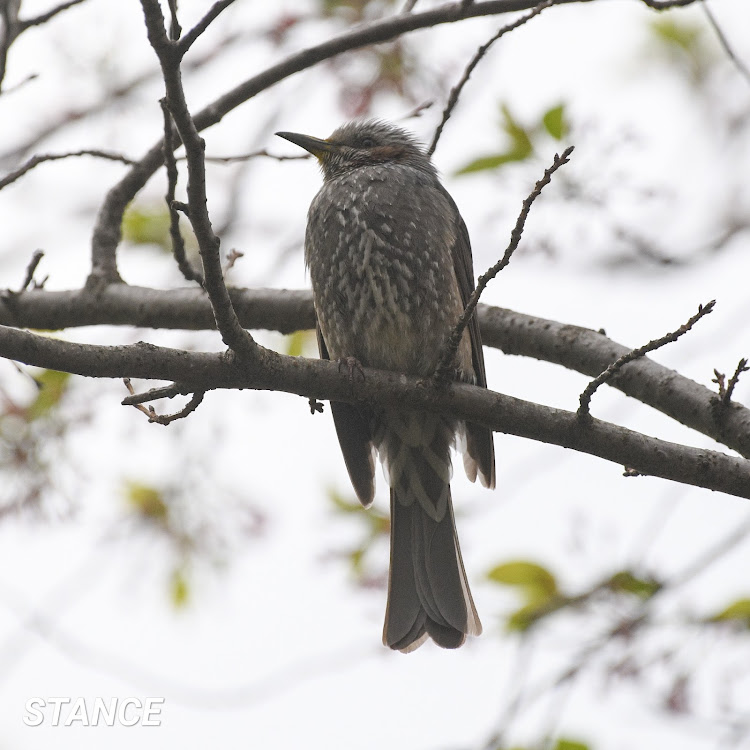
520	146
519	136
342	504
52	387
522	619
297	341
147	225
555	123
536	581
356	557
677	33
179	588
146	501
627	582
738	611
491	162
564	744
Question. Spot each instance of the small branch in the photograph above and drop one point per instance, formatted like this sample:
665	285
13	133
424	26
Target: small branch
165	391
741	367
254	155
443	372
33	263
189	39
409	6
585	398
49	15
726	391
40	158
666	4
174	25
165	419
178	242
724	42
480	53
232	333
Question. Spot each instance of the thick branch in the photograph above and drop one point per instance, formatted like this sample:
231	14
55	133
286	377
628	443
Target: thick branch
321	379
573	347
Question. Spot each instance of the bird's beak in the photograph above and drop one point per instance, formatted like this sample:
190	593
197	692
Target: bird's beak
316	146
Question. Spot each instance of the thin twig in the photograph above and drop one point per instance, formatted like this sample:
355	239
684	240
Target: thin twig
480	53
253	155
164	391
188	40
50	14
724	42
174	25
666	4
445	368
409	6
741	367
164	419
33	263
178	241
726	390
585	398
418	110
232	333
40	158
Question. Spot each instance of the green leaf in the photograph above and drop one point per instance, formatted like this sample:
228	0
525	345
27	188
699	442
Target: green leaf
520	146
536	581
739	611
491	162
342	504
565	744
522	619
179	588
678	34
627	582
52	387
519	136
147	225
146	501
296	342
554	122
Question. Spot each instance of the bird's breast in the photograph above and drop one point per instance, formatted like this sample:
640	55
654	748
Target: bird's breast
379	248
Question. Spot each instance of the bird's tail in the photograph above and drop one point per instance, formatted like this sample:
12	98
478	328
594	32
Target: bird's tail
428	594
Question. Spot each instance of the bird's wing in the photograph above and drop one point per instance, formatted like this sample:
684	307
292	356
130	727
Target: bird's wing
479	440
355	437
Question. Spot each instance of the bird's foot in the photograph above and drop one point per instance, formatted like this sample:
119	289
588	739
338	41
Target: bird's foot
353	365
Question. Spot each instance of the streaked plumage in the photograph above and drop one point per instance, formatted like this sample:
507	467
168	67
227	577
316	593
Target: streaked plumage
391	269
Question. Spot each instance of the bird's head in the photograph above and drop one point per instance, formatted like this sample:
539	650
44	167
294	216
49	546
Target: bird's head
362	144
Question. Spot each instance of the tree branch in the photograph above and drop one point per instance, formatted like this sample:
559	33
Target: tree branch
455	92
620	362
200	371
169	54
178	243
581	349
41	158
446	364
49	15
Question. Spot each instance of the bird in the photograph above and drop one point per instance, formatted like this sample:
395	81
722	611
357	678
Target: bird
391	269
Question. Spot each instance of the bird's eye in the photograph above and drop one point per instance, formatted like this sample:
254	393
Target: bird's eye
367	142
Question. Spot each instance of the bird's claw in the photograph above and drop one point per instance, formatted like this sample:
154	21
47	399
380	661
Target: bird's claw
352	365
